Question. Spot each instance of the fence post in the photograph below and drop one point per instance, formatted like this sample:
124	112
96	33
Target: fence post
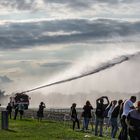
4	120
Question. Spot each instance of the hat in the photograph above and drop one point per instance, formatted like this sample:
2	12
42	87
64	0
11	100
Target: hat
138	104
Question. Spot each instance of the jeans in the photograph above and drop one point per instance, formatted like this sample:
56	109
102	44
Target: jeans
86	122
114	125
99	121
123	133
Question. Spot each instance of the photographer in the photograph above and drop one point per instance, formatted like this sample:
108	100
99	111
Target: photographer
40	112
87	114
100	109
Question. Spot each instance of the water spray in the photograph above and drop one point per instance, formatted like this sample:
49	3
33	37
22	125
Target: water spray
100	68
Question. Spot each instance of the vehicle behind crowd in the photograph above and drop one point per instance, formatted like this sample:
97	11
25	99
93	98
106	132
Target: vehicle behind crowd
18	98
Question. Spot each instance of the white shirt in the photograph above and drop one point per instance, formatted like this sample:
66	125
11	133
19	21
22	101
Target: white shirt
127	107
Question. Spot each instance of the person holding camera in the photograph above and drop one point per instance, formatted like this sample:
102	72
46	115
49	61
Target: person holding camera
40	112
86	114
100	109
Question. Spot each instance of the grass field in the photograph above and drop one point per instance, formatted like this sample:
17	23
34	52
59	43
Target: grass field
30	129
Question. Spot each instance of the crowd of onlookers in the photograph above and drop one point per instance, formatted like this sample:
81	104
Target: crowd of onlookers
117	113
19	108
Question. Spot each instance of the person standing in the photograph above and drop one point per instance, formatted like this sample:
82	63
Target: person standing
100	108
133	123
114	119
9	110
86	114
21	109
127	107
74	117
40	112
16	111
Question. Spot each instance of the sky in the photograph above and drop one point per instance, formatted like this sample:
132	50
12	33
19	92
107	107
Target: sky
43	41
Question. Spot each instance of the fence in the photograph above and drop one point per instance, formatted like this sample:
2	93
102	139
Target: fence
56	114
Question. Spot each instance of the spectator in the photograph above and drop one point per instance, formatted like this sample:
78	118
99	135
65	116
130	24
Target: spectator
86	114
114	102
9	110
40	112
74	116
21	109
127	107
112	106
133	123
16	111
114	119
121	109
100	108
106	119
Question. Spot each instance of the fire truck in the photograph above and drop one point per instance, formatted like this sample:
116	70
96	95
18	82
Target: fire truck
18	98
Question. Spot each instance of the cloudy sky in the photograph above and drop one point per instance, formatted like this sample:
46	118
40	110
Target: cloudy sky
42	41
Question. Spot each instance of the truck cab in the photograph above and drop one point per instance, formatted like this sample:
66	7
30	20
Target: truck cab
20	98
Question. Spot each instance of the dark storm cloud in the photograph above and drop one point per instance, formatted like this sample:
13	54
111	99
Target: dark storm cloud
87	3
82	4
18	4
76	4
55	64
30	34
31	4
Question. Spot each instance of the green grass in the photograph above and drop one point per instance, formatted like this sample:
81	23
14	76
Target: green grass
46	130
